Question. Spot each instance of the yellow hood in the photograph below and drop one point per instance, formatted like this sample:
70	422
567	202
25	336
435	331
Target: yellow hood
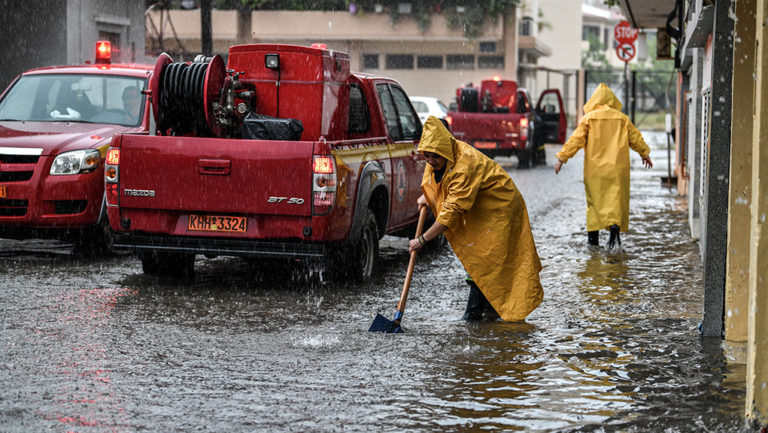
437	139
602	96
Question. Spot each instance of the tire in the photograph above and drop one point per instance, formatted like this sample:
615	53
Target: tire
167	264
361	260
94	241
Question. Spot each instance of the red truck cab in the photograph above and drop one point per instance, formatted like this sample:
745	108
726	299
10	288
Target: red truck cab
499	119
55	126
281	154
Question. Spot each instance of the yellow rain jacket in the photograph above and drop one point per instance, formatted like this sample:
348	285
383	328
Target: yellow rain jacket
487	222
606	134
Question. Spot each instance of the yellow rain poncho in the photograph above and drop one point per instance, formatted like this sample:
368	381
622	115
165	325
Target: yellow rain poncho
487	222
606	134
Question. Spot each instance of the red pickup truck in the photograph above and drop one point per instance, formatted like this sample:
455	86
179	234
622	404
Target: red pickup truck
55	126
281	154
499	119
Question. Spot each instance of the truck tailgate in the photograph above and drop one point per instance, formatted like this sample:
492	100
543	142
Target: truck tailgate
485	127
211	175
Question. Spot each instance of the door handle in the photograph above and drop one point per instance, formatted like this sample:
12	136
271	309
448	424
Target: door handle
214	166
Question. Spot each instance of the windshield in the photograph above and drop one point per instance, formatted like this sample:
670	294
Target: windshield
75	98
442	106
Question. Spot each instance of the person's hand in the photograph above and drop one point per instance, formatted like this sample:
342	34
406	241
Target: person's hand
647	162
414	245
421	201
558	166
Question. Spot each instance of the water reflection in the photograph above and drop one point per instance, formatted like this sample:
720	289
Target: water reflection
97	346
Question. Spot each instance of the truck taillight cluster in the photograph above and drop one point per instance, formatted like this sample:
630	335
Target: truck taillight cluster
323	184
524	128
112	176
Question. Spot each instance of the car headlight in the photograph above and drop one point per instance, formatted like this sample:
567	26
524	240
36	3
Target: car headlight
76	161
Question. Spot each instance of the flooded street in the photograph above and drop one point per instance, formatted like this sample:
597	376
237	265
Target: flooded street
95	346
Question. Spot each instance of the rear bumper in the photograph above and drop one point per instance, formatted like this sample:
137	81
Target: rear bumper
137	242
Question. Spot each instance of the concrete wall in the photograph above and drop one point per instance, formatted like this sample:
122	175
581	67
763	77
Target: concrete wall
59	32
740	184
561	18
757	346
25	46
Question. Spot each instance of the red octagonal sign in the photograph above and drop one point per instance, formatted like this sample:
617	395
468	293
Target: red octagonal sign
624	33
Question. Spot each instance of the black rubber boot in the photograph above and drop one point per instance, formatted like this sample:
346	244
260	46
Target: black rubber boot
478	307
593	237
615	239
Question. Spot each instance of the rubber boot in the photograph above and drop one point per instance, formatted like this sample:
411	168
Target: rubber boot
593	237
615	240
478	307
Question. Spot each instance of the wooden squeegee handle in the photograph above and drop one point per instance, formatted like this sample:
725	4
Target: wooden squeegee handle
411	263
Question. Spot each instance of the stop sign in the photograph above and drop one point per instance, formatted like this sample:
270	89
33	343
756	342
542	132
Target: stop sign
624	34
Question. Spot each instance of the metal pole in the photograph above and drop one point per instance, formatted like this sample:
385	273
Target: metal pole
626	88
633	97
669	162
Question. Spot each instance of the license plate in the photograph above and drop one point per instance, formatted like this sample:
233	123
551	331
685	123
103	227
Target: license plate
218	223
485	144
2	191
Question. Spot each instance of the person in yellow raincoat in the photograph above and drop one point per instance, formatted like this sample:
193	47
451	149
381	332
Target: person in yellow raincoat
606	135
484	218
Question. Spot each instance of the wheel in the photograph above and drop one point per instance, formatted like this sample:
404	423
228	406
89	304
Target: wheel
95	240
167	264
361	260
524	159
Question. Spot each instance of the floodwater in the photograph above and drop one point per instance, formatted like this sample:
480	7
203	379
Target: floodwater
96	346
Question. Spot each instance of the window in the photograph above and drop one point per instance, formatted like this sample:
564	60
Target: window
359	120
399	61
80	98
390	114
526	26
409	121
460	61
590	31
420	106
490	62
370	61
487	47
430	62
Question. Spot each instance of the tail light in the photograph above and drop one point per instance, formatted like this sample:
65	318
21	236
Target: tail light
449	119
323	184
112	176
524	128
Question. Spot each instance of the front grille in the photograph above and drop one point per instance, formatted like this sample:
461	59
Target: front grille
15	176
13	207
19	159
69	206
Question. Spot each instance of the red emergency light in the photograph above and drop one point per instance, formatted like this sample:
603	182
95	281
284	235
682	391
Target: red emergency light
320	46
103	52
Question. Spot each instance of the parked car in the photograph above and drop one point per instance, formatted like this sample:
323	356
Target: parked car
426	106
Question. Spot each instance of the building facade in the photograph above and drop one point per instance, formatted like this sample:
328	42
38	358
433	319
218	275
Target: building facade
54	32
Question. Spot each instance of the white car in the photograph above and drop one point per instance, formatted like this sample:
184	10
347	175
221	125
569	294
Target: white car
426	106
